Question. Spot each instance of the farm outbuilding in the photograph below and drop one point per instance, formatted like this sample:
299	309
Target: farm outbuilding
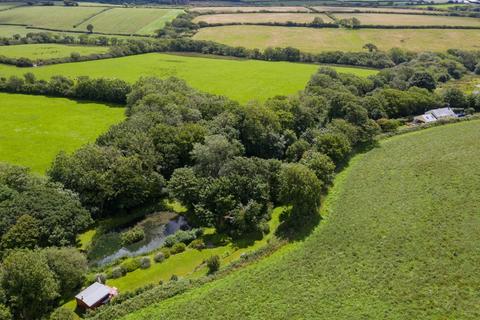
95	295
434	115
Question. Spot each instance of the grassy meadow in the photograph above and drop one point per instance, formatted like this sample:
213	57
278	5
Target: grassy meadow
33	129
398	241
409	19
318	40
241	80
64	18
363	9
131	20
261	17
47	50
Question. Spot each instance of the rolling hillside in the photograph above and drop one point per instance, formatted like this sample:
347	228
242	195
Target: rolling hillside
399	240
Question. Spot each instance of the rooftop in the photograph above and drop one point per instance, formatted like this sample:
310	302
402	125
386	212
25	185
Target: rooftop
93	294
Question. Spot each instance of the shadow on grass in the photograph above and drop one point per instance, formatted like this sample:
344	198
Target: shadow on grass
296	229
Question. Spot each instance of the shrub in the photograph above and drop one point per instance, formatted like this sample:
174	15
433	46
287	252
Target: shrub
174	277
145	262
182	236
100	277
166	252
178	247
62	314
213	264
170	240
116	272
159	257
133	235
388	125
197	244
130	265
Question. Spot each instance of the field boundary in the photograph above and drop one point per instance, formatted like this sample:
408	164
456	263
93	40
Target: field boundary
92	16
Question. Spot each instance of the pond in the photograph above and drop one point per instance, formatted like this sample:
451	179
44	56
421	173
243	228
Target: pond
157	227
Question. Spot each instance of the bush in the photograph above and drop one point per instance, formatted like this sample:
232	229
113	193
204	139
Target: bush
178	247
131	236
159	257
116	272
145	262
174	277
182	236
213	264
197	244
388	125
130	265
166	252
100	277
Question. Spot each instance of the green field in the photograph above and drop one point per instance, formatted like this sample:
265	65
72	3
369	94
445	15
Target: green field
262	18
399	241
318	40
131	20
33	129
242	80
64	18
47	51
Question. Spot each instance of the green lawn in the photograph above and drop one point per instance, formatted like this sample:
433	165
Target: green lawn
33	129
47	51
400	240
131	20
242	80
326	39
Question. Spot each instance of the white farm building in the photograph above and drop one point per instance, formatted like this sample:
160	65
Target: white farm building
434	115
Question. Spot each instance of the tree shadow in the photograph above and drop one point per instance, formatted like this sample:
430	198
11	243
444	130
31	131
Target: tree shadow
294	229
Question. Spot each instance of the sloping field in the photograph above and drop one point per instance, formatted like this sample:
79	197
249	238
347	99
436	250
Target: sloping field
318	40
250	9
131	20
400	241
46	51
56	17
261	17
242	80
409	19
33	129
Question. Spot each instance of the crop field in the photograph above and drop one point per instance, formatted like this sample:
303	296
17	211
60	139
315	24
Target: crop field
409	20
318	40
369	9
64	18
131	20
46	51
250	9
262	17
33	129
398	241
7	5
241	80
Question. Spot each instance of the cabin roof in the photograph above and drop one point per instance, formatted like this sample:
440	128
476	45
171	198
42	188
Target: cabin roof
93	294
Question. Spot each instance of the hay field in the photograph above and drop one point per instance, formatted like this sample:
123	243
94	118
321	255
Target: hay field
409	20
48	50
250	9
318	40
369	9
261	18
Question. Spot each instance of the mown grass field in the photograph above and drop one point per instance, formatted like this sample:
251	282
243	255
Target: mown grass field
131	20
241	80
318	40
46	51
409	20
33	129
56	17
250	9
399	240
262	17
363	9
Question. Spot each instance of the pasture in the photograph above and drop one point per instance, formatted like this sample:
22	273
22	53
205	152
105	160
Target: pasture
262	17
318	40
409	20
131	20
63	18
398	241
250	9
47	51
241	80
363	9
33	129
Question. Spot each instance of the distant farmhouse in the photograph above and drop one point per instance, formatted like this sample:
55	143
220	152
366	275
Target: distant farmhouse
435	115
95	295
